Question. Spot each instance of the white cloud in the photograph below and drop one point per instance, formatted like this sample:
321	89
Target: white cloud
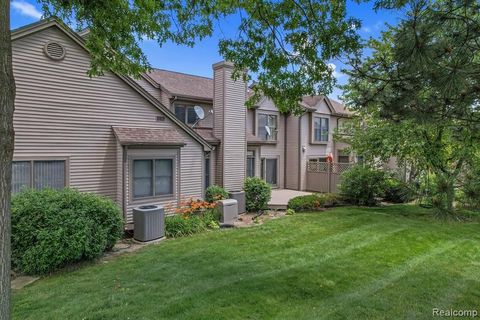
335	73
26	9
366	29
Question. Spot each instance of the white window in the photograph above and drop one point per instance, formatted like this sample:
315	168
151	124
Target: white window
267	121
152	177
186	113
38	174
320	129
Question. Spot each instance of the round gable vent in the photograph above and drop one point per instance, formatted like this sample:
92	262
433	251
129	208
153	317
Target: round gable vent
54	50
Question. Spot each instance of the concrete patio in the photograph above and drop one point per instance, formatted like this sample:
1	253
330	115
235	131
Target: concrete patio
280	198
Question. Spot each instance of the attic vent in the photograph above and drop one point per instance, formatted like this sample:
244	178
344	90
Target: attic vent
54	50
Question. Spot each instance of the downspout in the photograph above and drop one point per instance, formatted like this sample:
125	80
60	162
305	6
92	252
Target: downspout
124	184
300	151
285	153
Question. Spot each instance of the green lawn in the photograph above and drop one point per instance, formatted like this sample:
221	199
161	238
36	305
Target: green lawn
345	263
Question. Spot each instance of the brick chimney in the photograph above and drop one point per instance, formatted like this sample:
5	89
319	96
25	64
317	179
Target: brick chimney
229	126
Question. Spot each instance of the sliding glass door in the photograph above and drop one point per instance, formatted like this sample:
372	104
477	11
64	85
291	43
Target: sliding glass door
270	170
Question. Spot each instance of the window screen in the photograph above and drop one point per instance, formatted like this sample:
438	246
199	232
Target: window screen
142	178
267	120
321	129
21	175
163	176
49	174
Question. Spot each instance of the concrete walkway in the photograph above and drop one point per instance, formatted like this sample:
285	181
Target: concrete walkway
280	198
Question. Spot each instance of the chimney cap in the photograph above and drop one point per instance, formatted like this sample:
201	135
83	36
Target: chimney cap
223	64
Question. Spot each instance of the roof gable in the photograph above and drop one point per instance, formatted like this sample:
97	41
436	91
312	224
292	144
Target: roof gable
48	23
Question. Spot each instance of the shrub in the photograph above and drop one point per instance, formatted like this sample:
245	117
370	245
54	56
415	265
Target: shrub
215	193
257	194
397	191
193	206
332	199
51	229
180	225
290	212
310	202
362	185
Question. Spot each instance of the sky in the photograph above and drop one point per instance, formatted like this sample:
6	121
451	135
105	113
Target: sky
199	59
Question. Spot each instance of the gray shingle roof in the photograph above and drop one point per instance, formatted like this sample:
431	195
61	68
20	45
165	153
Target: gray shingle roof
148	136
338	107
183	84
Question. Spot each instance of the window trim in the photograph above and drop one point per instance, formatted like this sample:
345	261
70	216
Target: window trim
66	159
312	130
258	113
162	197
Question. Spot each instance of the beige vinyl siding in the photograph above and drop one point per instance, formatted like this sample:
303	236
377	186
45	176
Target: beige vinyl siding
155	92
165	99
234	138
292	153
305	139
61	112
251	121
218	127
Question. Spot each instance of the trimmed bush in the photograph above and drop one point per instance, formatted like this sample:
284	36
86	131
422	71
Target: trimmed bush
362	185
312	202
215	193
51	229
397	191
257	194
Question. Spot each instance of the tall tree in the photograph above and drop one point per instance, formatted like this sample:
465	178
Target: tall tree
7	96
421	88
287	43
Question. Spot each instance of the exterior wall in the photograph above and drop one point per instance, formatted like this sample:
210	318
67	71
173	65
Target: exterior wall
292	154
230	126
251	121
274	150
62	113
317	149
155	92
165	99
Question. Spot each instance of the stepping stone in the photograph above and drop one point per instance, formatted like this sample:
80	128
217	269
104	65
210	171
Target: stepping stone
22	281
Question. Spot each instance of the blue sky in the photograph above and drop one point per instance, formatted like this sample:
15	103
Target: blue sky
199	59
